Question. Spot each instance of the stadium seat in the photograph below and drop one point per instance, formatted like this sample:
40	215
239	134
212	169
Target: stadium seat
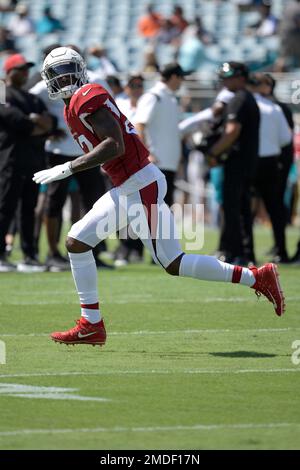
90	21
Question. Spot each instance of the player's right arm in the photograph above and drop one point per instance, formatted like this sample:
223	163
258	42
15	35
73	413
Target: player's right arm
111	145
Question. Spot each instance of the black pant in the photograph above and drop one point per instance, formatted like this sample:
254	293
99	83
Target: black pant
237	232
284	165
267	184
170	177
18	188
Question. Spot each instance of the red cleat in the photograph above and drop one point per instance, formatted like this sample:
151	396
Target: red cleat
83	333
267	283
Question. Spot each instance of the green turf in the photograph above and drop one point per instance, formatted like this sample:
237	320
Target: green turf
187	364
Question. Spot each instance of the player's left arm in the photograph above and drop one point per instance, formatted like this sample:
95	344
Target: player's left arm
111	146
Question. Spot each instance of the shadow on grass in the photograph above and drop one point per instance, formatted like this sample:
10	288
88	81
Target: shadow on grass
245	354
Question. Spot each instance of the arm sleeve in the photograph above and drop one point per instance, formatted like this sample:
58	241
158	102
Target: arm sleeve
15	120
224	96
146	108
193	123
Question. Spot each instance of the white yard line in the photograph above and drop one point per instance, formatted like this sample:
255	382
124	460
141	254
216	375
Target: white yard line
168	332
144	300
155	372
151	429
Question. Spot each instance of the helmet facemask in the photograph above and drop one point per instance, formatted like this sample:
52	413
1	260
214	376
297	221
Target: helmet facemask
64	78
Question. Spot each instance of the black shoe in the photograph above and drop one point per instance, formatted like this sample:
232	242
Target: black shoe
102	265
6	266
57	263
31	265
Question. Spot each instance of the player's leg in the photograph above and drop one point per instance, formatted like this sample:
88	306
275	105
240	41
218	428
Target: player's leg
100	222
162	241
264	280
166	251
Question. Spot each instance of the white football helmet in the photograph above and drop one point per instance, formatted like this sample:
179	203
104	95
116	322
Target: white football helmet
64	71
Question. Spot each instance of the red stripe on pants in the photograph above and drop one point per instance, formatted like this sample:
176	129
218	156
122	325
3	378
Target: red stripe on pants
237	274
149	196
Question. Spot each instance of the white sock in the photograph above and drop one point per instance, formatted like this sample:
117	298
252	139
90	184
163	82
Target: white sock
209	268
85	277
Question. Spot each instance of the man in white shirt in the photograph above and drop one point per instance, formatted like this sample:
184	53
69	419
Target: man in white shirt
156	120
274	134
134	89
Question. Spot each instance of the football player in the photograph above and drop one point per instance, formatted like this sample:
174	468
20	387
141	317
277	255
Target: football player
107	138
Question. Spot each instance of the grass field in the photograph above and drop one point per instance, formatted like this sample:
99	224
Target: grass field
187	364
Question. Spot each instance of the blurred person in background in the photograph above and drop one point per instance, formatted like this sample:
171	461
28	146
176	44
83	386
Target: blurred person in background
48	24
7	44
268	23
150	60
21	24
100	63
7	5
61	147
191	53
202	33
210	122
274	135
168	34
289	30
116	87
131	248
156	120
25	123
286	158
150	24
178	19
133	89
237	150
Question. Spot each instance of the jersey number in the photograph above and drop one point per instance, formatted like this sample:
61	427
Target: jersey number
85	144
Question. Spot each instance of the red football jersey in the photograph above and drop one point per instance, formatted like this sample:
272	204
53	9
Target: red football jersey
87	100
